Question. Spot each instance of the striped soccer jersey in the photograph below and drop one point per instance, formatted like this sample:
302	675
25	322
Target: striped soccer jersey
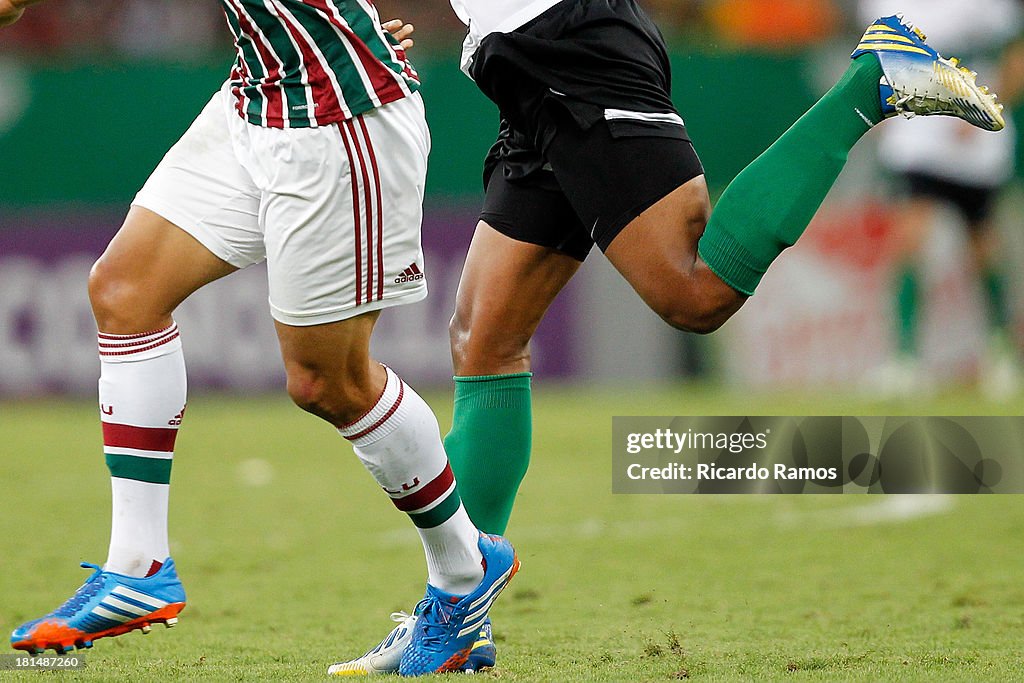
310	63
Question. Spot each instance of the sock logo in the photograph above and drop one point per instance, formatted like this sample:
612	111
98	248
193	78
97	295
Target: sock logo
410	274
176	420
106	410
405	487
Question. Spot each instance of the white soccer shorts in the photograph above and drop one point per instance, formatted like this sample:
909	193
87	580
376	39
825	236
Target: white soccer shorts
335	211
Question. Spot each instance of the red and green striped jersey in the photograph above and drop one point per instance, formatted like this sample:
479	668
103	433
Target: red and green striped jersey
309	63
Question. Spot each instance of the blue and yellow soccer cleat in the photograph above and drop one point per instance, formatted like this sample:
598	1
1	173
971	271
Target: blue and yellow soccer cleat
385	658
107	604
920	82
447	626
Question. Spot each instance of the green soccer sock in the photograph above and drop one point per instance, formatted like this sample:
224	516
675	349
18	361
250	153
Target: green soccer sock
907	306
995	294
489	445
771	202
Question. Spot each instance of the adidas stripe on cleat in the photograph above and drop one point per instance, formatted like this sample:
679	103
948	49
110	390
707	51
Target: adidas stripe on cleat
107	604
447	626
920	82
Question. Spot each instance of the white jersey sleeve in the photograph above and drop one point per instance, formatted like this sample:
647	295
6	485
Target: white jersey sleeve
484	17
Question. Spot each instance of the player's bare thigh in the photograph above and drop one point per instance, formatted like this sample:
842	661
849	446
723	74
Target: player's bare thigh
657	254
147	270
506	288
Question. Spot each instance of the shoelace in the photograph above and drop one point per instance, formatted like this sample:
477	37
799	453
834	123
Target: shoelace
397	617
434	617
83	594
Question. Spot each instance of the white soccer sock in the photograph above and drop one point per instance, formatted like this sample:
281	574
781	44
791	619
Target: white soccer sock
399	442
142	402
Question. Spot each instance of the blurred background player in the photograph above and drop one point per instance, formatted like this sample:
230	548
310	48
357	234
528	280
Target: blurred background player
591	150
941	165
313	157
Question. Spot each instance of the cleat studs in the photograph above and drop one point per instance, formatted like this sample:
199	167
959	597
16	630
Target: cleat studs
171	622
146	628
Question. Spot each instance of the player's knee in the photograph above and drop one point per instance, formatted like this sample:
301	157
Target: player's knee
476	351
697	315
308	390
318	393
115	299
458	335
695	322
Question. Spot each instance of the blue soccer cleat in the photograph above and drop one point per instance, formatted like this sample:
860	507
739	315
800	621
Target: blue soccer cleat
447	626
387	655
920	82
107	604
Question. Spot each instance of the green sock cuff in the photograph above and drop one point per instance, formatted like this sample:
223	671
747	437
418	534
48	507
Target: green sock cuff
493	391
459	379
730	260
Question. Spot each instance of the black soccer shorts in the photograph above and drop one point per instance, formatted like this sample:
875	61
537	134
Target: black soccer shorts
589	136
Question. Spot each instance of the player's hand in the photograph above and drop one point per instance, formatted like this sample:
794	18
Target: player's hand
11	10
397	28
9	13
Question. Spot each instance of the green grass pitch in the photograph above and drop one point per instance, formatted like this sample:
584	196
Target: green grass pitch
292	559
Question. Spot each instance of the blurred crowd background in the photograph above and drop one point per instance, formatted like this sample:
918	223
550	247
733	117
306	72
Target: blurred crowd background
160	26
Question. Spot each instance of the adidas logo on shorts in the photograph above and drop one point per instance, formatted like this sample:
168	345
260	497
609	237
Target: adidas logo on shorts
410	274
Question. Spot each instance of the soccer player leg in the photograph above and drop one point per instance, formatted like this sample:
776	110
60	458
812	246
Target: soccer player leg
395	435
148	267
506	287
694	270
1000	376
771	202
491	330
193	222
914	216
147	270
341	210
